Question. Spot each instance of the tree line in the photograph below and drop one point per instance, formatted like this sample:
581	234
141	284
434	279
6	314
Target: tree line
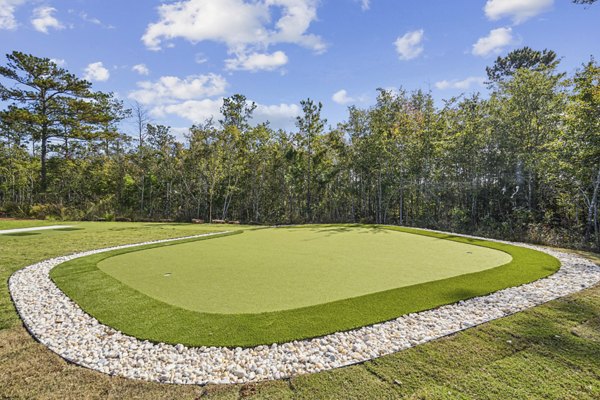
522	162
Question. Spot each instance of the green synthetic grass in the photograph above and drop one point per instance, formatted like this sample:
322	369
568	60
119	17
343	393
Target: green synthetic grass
122	307
287	268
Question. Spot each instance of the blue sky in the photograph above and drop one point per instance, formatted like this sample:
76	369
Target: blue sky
180	58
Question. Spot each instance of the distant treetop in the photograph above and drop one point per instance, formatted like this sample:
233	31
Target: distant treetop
525	57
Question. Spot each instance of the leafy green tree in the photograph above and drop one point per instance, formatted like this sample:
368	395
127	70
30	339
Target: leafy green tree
579	145
311	126
16	167
206	156
524	58
528	108
237	113
43	96
522	163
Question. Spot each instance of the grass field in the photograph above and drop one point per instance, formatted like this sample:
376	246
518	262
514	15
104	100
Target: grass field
336	302
25	223
548	352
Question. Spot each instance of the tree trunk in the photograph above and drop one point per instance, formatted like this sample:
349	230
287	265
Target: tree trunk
592	223
530	184
379	199
401	204
308	198
44	172
210	207
142	194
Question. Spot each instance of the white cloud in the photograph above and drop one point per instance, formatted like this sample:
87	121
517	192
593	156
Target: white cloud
171	89
231	21
141	69
409	45
187	97
196	111
95	72
365	5
92	20
297	15
494	42
246	27
463	84
200	97
518	10
180	132
59	62
280	116
257	61
342	97
7	13
43	19
193	110
200	58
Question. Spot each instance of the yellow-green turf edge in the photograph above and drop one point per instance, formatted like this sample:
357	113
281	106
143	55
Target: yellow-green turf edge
131	312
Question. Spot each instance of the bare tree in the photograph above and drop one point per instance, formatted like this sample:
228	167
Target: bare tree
141	118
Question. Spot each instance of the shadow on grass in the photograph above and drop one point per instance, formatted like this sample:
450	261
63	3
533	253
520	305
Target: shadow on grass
153	224
330	230
21	234
513	355
129	228
454	237
463	293
552	328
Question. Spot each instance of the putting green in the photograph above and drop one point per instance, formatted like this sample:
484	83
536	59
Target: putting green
261	286
287	268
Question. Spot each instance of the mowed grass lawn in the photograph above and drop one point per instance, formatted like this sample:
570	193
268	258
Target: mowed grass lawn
548	352
6	224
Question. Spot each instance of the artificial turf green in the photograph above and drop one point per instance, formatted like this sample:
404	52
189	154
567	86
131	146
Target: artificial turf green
286	268
122	307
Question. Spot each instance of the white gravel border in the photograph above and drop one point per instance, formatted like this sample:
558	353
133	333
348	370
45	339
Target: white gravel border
59	323
34	228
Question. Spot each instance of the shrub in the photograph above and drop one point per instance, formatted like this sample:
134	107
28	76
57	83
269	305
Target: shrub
47	211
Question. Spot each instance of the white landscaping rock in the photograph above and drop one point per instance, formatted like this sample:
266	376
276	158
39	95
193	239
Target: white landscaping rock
59	323
35	228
